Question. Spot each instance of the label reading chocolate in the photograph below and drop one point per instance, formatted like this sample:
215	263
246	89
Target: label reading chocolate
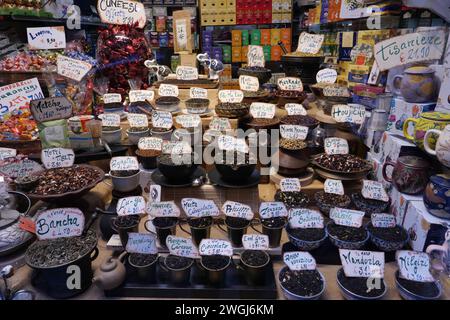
51	109
187	73
137	120
57	158
255	56
362	264
383	220
262	110
310	43
229	143
290	185
220	124
255	242
298	260
162	119
333	186
374	190
248	83
177	148
7	153
290	84
326	76
72	68
347	217
112	98
123	12
150	143
43	38
188	120
130	206
231	96
144	243
198	93
336	146
182	247
211	247
272	210
124	163
168	90
163	209
59	223
110	120
292	131
293	109
199	207
237	210
414	265
21	168
141	95
347	113
336	91
305	218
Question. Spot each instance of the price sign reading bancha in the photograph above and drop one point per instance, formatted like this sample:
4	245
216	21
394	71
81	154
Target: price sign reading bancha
59	223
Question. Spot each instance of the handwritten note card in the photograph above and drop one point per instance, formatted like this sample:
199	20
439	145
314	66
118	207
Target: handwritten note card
272	210
237	210
59	223
199	207
298	260
130	206
362	264
57	158
347	217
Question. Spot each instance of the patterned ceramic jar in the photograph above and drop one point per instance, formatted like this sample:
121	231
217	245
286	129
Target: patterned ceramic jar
417	85
437	196
427	121
442	150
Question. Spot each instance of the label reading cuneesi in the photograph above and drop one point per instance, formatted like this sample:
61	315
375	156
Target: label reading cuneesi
347	217
198	93
188	120
231	96
220	124
290	185
237	210
333	186
248	83
348	113
168	90
182	247
255	242
299	260
292	131
141	95
163	209
290	84
272	210
130	206
123	12
141	243
326	76
383	220
305	218
137	120
124	163
150	143
197	208
59	223
186	73
362	264
335	146
414	265
293	109
51	109
162	119
262	110
110	120
7	153
112	98
374	190
57	158
211	247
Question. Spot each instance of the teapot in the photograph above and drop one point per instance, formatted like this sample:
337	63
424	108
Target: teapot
111	273
443	263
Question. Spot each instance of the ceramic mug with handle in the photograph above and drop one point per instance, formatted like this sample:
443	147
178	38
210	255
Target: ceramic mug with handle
442	148
443	263
427	121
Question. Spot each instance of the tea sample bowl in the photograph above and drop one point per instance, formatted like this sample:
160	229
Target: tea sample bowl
134	136
263	74
238	169
232	110
299	281
197	105
409	290
369	206
177	168
112	136
359	290
295	237
388	239
327	201
169	104
125	183
360	235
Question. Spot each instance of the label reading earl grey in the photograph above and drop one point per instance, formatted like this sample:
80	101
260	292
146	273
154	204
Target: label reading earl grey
163	209
162	119
414	265
231	96
347	217
305	218
150	143
326	76
110	120
137	120
383	220
198	93
292	131
272	210
237	210
144	243
255	242
211	247
130	206
187	73
362	264
199	207
333	186
124	163
188	120
336	146
168	90
248	83
290	84
57	158
141	95
59	223
182	247
220	124
262	110
112	98
293	109
346	113
374	190
290	185
298	260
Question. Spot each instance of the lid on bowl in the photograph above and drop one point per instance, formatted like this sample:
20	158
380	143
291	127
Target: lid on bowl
414	161
419	70
437	116
441	180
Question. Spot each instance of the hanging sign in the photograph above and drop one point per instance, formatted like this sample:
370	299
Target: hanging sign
137	120
293	109
123	12
290	185
141	95
336	91
163	209
110	120
290	84
7	153
255	56
262	110
383	220
220	124
124	163
162	119
112	98
248	83
237	210
362	264
374	190
43	38
21	168
168	90
255	242
326	76
182	247
310	43
299	260
130	206
199	207
188	120
231	96
269	210
347	113
144	243
51	109
150	143
414	265
336	146
198	93
211	247
347	217
333	186
292	131
305	218
59	223
16	95
57	158
72	68
187	73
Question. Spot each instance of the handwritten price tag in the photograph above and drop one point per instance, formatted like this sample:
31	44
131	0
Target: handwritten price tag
310	43
414	265
231	96
211	247
362	264
162	119
336	91
124	12
163	209
187	73
130	206
21	168
347	113
182	247
168	90
237	210
290	84
150	143
59	223
199	207
57	158
255	56
15	95
374	190
290	185
262	110
72	68
7	153
292	131
110	120
336	146
347	217
43	38
220	124
51	109
248	83
124	163
188	120
295	109
272	210
326	76
383	220
198	93
255	241
305	218
228	143
333	186
137	120
141	95
298	260
141	243
177	148
112	98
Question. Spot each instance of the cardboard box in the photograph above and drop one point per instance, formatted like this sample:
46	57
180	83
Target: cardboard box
236	54
188	59
391	147
275	36
400	203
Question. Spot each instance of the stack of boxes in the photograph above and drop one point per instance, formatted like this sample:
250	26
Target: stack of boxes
281	11
254	11
218	12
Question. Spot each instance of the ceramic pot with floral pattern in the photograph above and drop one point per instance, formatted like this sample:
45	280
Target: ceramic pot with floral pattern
437	196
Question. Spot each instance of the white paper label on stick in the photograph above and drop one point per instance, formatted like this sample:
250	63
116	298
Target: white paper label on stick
137	120
59	223
326	76
162	119
347	217
21	168
336	91
141	243
177	148
290	84
229	143
199	207
374	190
72	68
414	265
290	185
130	206
168	90
182	247
248	83
112	98
333	186
15	95
150	143
57	158
299	260
110	120
163	209
124	163
141	95
188	120
123	12
310	43
231	96
362	264
51	109
255	56
293	109
187	73
7	153
272	210
46	38
198	93
305	218
237	210
211	247
347	113
262	110
255	242
336	146
292	131
383	220
220	124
